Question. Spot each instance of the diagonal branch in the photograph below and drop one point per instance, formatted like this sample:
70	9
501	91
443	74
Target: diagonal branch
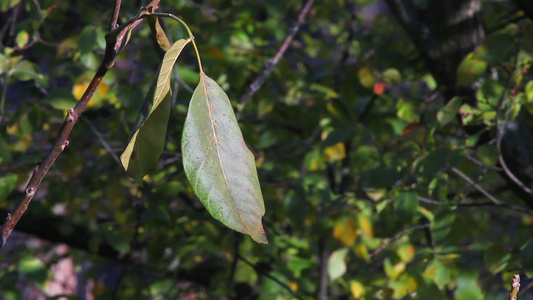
114	44
477	186
395	237
273	62
267	275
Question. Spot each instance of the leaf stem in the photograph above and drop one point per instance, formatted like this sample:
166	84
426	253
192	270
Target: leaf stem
168	15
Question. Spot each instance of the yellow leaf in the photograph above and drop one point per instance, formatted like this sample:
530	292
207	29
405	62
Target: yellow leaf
393	269
361	251
293	285
367	78
406	252
335	153
365	225
81	85
357	289
345	232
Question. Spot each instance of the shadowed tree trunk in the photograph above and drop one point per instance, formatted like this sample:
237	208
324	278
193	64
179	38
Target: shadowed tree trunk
443	32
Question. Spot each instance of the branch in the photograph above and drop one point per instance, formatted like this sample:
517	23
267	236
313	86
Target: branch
395	237
477	186
267	275
515	287
116	12
272	63
103	142
115	42
236	254
462	204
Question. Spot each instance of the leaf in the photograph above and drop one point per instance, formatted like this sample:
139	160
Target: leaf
218	164
438	272
118	241
159	33
345	232
8	4
392	268
497	259
357	289
367	78
7	185
32	268
468	287
448	112
392	76
406	205
336	264
470	70
336	152
441	225
148	139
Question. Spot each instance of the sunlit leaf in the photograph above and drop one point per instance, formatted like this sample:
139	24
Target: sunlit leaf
336	264
33	268
367	78
7	4
7	185
392	268
392	76
357	289
468	287
365	225
335	153
22	38
448	112
438	272
26	70
345	232
407	111
218	164
148	139
470	70
61	98
406	252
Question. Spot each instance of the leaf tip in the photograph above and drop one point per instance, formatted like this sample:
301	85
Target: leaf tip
260	237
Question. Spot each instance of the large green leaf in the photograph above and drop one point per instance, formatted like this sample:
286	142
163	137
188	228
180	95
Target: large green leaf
218	164
148	139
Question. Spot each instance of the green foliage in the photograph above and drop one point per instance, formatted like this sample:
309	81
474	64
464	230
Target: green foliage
364	189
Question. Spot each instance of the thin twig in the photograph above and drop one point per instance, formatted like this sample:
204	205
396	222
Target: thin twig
103	142
505	167
272	63
236	254
116	11
515	287
477	186
395	237
501	128
463	204
267	275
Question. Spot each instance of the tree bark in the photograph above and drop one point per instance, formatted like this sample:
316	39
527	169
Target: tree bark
444	32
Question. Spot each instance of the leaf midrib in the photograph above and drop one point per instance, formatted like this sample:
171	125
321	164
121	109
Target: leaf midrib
232	203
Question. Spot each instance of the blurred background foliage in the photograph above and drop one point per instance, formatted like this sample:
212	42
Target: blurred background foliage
393	145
